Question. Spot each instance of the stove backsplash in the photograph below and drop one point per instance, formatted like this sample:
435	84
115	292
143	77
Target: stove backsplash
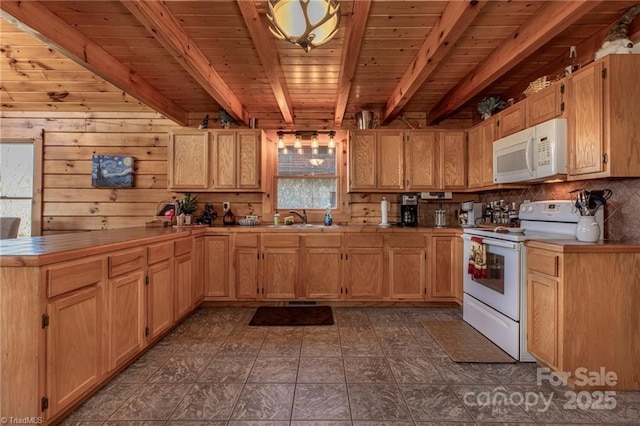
621	214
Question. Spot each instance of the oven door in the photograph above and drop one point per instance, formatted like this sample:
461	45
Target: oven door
501	289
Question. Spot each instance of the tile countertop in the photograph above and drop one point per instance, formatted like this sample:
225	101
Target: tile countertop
574	246
38	251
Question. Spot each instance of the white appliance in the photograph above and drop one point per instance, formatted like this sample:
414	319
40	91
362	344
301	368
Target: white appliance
536	153
496	305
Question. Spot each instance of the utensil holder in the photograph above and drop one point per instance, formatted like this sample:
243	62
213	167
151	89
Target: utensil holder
588	229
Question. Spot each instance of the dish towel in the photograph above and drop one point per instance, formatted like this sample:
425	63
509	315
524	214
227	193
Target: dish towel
477	258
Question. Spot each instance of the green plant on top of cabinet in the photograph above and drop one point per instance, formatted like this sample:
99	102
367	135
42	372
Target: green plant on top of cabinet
602	119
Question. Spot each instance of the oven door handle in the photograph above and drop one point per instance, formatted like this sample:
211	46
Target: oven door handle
497	243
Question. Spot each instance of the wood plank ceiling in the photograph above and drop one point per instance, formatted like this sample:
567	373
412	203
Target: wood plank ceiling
187	58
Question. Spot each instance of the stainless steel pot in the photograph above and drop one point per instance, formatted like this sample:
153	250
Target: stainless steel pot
364	119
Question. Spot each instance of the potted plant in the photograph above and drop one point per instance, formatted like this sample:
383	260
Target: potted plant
187	206
487	106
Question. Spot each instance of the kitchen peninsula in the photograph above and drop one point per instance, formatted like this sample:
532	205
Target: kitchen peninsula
80	307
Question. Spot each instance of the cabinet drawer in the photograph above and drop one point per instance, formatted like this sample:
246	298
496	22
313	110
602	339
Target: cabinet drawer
72	276
281	240
182	246
246	240
364	240
122	263
407	240
159	252
323	241
543	262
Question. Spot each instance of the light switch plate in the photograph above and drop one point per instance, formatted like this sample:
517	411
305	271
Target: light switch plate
226	205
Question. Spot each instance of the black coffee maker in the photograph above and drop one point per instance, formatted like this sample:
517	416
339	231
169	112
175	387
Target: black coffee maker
409	209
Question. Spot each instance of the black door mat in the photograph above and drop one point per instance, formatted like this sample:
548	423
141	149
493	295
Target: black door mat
292	316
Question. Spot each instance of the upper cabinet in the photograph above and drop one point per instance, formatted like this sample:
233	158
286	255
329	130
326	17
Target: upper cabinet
234	163
480	154
376	160
511	120
546	104
602	118
188	160
435	160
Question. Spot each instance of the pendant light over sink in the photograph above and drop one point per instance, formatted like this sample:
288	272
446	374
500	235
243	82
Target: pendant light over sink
305	23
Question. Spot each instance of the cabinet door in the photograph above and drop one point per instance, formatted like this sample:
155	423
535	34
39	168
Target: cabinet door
488	136
364	273
198	270
511	120
189	160
224	160
474	155
406	273
544	105
183	267
248	160
126	318
585	121
542	318
421	159
280	273
217	266
390	160
362	160
453	168
246	272
443	268
160	298
322	273
73	347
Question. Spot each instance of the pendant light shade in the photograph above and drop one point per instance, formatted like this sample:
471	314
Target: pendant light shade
305	23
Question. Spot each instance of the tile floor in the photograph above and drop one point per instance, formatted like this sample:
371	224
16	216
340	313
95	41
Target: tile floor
375	366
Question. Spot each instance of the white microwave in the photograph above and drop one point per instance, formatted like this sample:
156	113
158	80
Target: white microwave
537	153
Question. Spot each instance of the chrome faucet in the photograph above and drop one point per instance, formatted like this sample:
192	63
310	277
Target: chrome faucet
302	216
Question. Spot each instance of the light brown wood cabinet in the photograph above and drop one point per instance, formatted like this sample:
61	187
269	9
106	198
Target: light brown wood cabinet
280	261
199	270
321	272
160	298
74	346
183	277
216	266
407	266
511	120
126	317
602	119
480	154
444	268
364	255
573	312
545	104
376	160
435	160
246	266
215	160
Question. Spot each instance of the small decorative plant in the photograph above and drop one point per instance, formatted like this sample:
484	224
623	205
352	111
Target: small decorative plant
188	204
488	105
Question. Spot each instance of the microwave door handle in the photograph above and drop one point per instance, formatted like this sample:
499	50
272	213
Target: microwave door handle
527	154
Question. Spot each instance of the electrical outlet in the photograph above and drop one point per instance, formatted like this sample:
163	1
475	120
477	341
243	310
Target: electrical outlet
226	205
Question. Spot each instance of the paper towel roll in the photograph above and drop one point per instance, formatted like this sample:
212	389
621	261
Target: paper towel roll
384	208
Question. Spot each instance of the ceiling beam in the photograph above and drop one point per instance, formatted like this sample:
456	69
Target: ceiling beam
267	50
552	18
35	19
455	20
354	34
159	21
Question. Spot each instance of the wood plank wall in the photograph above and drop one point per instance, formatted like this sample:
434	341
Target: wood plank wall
71	138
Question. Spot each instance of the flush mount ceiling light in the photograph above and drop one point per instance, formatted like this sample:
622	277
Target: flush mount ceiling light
305	23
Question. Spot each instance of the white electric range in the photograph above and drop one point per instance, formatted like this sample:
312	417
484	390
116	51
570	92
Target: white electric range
496	305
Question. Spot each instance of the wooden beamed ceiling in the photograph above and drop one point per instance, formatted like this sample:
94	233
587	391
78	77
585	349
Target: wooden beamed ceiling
432	59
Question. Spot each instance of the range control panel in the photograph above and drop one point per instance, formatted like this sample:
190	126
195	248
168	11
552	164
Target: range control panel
553	210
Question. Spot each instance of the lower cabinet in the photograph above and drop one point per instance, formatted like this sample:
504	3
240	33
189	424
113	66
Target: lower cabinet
183	281
321	271
216	266
245	266
126	318
445	268
542	318
74	346
160	298
407	267
198	291
280	253
364	266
